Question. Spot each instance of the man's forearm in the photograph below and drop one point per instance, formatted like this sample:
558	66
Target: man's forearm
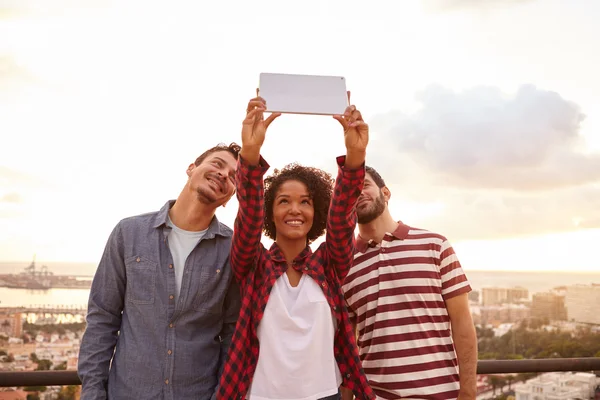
465	344
97	347
103	319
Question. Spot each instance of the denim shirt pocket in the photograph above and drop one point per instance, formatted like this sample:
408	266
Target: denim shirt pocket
211	290
141	280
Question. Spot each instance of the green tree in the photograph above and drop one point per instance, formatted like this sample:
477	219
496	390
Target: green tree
510	379
3	353
44	365
33	357
61	367
526	343
67	393
495	382
525	376
33	396
35	388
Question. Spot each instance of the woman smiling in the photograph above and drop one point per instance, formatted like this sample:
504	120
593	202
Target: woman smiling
293	339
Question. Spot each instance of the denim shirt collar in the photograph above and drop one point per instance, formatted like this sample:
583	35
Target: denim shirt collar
215	227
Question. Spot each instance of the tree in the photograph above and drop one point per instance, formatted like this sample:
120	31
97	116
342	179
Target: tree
3	353
509	379
33	396
495	382
35	388
33	357
67	393
61	367
44	365
525	376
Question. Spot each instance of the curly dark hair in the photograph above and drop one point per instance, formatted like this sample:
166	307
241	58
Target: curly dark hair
320	188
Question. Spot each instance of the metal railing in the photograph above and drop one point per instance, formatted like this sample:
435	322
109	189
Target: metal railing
484	367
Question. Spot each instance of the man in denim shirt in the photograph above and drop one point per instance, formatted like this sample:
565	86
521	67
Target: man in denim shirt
163	304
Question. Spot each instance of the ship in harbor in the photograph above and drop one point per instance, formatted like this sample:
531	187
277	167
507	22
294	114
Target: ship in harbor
41	278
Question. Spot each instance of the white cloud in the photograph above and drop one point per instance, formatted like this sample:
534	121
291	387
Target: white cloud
503	165
486	139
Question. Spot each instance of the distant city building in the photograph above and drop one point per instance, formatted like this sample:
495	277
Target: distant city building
495	296
558	386
549	305
582	303
506	313
11	324
474	296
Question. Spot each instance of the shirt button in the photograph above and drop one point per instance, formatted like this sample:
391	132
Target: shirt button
169	352
171	297
383	249
218	271
306	268
347	375
170	325
170	266
324	284
167	381
138	259
335	308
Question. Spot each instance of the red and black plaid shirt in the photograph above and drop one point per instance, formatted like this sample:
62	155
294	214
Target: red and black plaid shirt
257	269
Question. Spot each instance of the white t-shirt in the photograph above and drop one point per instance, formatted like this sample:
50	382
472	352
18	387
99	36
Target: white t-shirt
296	334
181	244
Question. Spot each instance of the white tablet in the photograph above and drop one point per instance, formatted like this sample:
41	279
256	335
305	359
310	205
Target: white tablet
304	94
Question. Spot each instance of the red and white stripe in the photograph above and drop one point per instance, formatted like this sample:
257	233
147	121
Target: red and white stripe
397	292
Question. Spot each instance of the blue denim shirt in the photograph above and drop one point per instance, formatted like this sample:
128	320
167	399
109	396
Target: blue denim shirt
139	343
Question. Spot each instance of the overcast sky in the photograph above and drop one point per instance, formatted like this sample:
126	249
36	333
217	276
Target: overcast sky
485	115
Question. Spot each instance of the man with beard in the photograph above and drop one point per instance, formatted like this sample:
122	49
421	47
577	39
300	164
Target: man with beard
407	295
163	304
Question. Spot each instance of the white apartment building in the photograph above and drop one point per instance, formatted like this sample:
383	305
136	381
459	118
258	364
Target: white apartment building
496	296
558	386
582	303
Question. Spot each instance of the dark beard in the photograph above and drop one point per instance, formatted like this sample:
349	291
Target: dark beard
205	196
373	211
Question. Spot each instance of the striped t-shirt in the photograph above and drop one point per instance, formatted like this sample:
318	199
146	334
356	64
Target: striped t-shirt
395	292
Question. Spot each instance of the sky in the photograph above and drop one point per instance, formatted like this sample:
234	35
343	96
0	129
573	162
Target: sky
484	114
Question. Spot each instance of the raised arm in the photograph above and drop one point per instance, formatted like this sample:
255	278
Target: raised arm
246	246
103	319
341	220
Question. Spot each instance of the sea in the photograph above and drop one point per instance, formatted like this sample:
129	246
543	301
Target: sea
535	282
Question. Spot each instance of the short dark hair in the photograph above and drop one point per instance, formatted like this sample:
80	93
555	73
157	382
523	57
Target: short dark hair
233	149
320	187
375	176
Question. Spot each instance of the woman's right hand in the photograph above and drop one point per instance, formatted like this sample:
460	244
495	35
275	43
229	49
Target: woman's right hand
254	129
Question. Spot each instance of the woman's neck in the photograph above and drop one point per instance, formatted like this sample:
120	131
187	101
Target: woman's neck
291	248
